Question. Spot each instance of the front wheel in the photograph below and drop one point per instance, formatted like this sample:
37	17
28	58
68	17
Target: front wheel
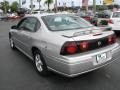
40	64
12	45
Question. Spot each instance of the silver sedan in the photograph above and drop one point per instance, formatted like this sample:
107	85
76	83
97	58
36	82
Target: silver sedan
63	43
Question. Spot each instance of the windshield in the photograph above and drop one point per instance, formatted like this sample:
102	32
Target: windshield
65	22
116	15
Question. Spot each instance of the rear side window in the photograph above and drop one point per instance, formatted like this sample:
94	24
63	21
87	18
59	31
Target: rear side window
116	15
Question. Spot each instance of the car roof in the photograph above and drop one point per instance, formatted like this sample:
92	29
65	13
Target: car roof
46	14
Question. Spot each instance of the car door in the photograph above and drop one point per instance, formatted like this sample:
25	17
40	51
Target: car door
17	34
25	35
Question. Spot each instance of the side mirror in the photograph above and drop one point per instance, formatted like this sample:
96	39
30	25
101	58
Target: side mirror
14	27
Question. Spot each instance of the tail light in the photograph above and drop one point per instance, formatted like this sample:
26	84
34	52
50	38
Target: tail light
110	21
84	46
69	48
111	39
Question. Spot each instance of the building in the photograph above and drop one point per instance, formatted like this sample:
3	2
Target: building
61	3
27	4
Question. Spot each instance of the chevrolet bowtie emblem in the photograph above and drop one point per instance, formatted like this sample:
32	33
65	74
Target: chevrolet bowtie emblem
99	43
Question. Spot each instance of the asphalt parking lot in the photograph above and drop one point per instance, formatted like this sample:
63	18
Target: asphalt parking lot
17	72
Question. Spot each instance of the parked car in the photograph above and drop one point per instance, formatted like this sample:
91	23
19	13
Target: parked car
86	15
107	13
22	11
13	16
94	21
64	43
89	16
104	14
114	21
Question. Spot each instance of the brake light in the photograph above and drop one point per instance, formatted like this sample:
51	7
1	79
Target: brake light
110	21
84	46
111	39
69	48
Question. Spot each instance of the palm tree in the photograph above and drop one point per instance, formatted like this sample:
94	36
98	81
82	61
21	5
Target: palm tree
48	2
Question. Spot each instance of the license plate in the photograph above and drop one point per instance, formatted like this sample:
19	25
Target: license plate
100	58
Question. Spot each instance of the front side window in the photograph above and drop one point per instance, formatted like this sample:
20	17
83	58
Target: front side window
29	24
21	24
64	22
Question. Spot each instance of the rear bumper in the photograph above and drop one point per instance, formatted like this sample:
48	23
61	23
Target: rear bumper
79	65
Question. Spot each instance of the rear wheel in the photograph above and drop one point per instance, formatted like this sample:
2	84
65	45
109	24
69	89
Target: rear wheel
40	64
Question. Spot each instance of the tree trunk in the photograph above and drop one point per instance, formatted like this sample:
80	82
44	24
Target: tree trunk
94	6
56	9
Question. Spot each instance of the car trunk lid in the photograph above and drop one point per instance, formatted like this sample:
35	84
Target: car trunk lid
85	34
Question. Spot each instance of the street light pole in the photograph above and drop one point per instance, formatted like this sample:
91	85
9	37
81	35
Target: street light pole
94	6
56	9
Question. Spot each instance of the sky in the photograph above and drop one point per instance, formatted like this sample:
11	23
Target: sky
68	3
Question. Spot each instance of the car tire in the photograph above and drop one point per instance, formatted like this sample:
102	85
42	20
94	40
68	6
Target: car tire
40	64
12	44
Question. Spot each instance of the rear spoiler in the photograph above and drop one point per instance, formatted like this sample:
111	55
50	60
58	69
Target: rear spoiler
107	28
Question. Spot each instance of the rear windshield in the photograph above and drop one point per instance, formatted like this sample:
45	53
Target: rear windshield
116	15
65	22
